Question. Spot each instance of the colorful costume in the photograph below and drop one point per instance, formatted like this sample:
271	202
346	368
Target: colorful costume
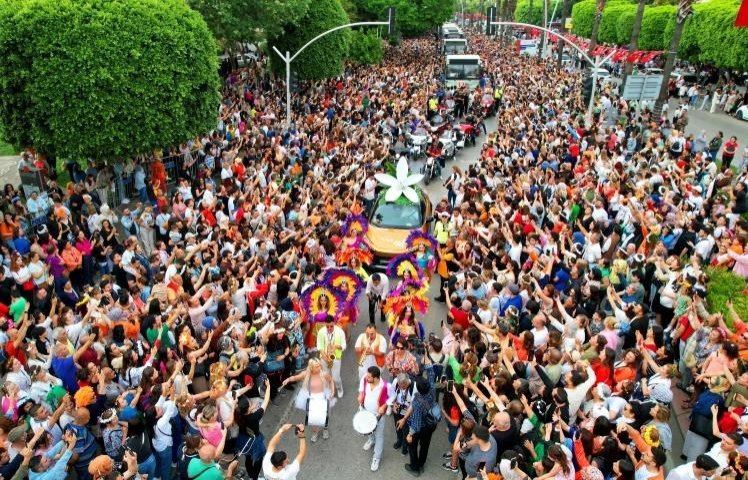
314	313
359	249
351	285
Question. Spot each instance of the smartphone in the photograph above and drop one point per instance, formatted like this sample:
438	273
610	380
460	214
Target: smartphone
481	466
450	385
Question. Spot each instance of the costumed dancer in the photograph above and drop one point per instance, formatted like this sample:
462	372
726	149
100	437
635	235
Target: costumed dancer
315	397
318	302
408	297
354	244
350	285
424	246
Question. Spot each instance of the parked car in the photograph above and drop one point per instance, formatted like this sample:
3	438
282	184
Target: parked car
688	78
602	73
742	113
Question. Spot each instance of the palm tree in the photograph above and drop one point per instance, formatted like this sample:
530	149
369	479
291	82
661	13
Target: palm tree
685	9
545	25
480	9
596	26
633	43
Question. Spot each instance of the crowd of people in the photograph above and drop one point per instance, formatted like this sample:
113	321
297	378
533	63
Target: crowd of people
571	260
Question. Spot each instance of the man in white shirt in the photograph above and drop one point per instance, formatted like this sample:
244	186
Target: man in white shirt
371	348
377	288
704	467
276	465
375	396
331	344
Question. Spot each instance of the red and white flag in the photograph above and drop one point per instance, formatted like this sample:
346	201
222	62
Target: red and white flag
742	19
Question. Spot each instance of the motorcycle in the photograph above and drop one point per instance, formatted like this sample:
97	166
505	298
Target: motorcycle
469	132
458	138
429	170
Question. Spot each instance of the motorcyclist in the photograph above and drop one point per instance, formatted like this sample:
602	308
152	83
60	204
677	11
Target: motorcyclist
435	151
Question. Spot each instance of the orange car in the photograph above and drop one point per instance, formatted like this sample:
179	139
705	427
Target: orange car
391	222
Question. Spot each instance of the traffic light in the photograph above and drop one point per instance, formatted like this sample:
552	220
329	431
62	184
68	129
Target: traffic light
294	81
490	18
390	21
587	89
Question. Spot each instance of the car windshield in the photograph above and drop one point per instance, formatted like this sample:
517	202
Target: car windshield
463	71
394	215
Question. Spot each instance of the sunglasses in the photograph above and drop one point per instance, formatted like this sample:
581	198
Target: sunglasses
399	347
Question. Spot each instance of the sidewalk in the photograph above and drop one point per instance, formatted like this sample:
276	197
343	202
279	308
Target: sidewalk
9	170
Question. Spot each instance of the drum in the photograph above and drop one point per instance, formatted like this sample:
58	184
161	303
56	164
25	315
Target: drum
316	412
364	422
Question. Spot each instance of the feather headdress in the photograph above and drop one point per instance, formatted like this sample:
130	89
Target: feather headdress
310	300
411	292
363	255
354	222
345	280
402	263
418	237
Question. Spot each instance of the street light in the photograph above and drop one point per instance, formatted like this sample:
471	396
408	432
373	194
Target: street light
288	58
597	63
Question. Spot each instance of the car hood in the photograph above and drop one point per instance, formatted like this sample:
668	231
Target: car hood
387	242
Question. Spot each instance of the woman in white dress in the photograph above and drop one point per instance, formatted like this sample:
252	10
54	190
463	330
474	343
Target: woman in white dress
316	385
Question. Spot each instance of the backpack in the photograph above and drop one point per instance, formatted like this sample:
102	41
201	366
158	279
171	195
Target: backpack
433	417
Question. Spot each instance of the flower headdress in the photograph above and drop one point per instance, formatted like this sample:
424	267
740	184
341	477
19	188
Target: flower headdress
418	237
346	281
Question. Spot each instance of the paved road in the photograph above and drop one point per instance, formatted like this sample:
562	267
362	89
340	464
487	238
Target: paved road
342	456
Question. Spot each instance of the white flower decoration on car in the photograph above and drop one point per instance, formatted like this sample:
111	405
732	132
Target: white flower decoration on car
401	184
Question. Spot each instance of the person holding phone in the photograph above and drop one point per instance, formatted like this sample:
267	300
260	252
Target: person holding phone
276	464
482	453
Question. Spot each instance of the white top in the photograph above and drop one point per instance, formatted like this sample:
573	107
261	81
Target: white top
683	472
371	398
289	472
162	435
379	344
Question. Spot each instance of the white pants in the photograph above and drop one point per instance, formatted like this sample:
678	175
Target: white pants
334	372
378	436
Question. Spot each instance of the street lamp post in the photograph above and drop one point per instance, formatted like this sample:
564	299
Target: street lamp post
288	58
597	63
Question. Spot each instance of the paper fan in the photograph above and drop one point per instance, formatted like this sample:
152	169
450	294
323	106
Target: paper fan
354	222
399	264
311	298
345	280
418	237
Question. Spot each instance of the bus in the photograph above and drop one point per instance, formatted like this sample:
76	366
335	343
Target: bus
454	46
462	69
451	30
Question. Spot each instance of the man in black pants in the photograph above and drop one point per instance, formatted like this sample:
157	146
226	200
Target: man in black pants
377	288
419	432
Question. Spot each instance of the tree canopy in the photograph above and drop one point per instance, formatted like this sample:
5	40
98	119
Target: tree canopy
709	35
87	78
325	57
413	17
242	20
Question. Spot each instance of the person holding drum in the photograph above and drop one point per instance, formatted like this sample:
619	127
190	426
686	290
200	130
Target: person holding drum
375	397
371	348
316	396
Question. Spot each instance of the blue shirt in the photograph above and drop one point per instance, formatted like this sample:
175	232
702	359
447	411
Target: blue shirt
64	369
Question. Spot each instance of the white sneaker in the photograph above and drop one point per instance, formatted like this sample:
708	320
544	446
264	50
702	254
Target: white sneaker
369	443
374	464
340	393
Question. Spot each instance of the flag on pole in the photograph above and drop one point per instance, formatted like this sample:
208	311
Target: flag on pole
742	19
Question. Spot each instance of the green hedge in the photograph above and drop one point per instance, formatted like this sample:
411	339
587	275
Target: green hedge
723	286
709	35
609	31
105	79
365	48
582	17
652	35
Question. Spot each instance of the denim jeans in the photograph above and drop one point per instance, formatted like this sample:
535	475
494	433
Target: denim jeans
149	467
163	461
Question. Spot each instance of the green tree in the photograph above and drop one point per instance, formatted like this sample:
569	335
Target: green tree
325	57
635	30
685	9
654	22
582	18
234	21
87	78
365	48
413	17
611	21
599	9
522	12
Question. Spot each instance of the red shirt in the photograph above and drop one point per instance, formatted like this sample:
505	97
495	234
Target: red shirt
688	328
460	317
19	352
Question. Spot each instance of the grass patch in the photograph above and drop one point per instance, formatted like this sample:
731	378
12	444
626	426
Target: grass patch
6	150
723	286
